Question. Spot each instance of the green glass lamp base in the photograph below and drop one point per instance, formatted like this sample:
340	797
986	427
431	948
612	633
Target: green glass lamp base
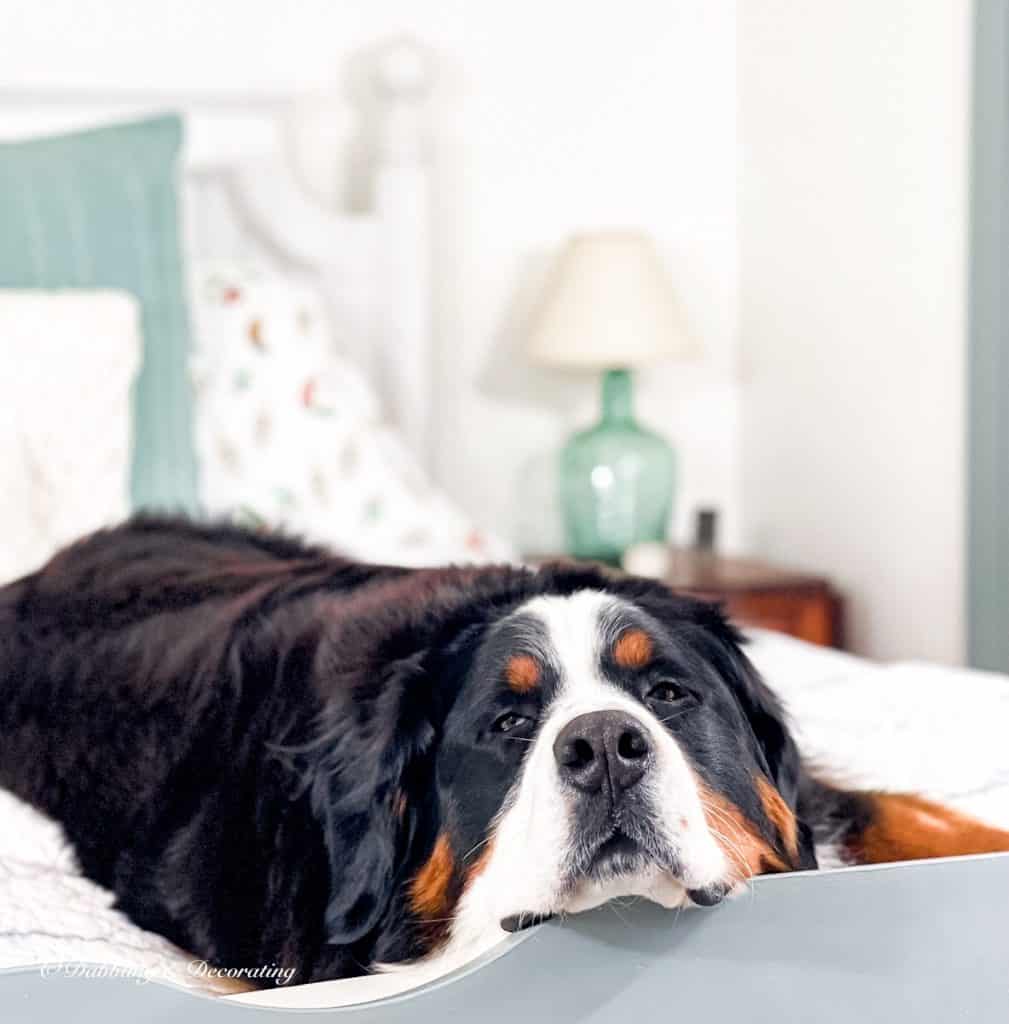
616	480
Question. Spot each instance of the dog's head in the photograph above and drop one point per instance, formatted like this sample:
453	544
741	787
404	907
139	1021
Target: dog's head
547	751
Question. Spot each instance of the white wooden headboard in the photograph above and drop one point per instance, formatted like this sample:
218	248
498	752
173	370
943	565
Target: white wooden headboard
335	186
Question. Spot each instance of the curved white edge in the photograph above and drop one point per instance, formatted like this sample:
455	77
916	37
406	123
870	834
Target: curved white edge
379	990
375	989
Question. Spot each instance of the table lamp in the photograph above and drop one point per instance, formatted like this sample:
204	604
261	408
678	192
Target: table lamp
608	305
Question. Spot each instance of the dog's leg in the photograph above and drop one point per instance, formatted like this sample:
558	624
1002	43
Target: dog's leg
906	827
853	827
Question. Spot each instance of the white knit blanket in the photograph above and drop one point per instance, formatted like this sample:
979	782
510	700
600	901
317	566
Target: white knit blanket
50	914
935	730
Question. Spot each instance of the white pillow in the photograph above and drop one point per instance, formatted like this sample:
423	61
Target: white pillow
289	433
67	363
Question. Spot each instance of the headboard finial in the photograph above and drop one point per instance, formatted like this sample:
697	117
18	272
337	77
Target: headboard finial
404	69
403	75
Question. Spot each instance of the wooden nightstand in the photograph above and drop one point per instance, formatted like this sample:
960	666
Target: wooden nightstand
757	594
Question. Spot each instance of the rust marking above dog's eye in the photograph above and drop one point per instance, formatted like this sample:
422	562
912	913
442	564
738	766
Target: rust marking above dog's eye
429	891
523	673
633	649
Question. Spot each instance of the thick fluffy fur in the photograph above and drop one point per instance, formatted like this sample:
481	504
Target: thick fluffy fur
275	756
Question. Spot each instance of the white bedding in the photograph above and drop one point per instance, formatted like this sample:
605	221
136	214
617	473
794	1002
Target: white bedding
939	731
906	726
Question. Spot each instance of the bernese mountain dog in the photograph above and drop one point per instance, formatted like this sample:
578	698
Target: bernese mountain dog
273	755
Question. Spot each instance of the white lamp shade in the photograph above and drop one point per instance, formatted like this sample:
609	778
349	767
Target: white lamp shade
608	304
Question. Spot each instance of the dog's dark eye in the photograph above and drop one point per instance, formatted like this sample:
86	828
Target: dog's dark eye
510	722
667	692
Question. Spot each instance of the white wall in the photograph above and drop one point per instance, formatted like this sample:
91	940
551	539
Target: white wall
551	117
836	267
572	115
853	212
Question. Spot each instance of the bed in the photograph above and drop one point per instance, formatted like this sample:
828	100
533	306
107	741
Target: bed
250	223
892	726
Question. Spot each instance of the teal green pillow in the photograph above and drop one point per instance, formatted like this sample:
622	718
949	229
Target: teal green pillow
99	209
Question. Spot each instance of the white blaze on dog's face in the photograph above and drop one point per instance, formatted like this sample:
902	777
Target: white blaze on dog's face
595	751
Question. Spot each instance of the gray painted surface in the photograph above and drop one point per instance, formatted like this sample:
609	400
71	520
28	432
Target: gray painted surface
988	376
926	943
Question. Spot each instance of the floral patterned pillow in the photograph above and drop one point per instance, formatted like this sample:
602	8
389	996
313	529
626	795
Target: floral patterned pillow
290	434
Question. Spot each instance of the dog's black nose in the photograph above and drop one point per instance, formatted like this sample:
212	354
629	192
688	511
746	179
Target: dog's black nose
603	748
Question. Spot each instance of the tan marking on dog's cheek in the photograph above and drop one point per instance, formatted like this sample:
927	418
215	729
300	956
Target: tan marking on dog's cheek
523	673
746	850
479	866
430	889
780	815
633	649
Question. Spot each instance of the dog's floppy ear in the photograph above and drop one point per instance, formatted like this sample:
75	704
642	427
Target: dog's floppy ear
768	722
766	716
357	793
759	704
761	707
